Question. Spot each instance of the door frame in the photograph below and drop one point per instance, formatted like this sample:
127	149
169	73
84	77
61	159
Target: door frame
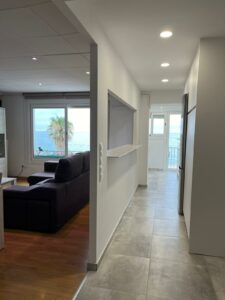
166	110
152	136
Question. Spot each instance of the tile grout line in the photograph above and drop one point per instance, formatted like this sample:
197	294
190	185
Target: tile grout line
150	254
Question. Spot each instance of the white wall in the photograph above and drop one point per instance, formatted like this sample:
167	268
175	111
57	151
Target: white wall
121	123
120	178
189	168
143	135
166	97
192	82
208	192
190	88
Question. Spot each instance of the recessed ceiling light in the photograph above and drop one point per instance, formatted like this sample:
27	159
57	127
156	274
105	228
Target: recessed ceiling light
40	83
34	58
166	34
88	72
165	64
165	80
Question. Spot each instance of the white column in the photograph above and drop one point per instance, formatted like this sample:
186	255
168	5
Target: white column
143	139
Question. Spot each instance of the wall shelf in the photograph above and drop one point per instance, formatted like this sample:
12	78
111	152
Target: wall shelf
122	151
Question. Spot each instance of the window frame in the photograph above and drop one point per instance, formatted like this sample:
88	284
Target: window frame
31	104
152	116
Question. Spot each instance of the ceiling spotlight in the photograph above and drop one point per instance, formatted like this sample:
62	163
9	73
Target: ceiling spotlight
166	34
165	80
34	58
165	65
88	72
40	83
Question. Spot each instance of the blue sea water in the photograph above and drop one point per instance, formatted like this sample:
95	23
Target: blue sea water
80	142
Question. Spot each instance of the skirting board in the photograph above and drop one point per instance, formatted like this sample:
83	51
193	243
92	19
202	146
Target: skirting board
94	267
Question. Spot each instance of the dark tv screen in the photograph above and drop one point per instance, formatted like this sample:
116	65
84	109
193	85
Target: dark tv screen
2	145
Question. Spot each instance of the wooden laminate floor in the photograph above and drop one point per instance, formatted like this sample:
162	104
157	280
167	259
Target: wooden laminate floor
37	266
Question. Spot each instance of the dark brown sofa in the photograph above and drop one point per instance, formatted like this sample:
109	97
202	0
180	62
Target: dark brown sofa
49	172
49	204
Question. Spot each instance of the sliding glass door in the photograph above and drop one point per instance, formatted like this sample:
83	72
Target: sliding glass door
78	130
60	131
174	141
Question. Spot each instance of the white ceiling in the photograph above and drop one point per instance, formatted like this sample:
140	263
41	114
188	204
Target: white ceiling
133	26
36	28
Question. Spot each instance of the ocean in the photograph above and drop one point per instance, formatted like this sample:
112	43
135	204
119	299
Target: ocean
79	143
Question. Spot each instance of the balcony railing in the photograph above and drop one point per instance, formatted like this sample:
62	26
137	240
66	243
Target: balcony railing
174	157
43	153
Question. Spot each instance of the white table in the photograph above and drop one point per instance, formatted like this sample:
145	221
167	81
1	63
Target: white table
6	181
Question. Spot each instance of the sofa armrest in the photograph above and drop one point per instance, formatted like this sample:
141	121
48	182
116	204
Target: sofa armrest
42	192
17	192
36	208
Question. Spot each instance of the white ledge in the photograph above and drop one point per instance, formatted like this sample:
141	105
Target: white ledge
122	151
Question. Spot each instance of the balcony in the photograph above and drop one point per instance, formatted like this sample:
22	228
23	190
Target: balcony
173	157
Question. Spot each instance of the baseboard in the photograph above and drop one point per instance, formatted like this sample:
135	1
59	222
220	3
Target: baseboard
95	266
92	267
143	185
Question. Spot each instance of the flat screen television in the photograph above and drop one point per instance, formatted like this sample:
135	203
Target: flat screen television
2	145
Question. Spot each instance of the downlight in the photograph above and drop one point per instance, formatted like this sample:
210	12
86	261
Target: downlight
166	34
165	65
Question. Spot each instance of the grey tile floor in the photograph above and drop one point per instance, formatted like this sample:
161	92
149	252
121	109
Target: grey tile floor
148	257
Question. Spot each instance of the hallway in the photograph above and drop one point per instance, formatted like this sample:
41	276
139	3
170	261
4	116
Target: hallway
148	257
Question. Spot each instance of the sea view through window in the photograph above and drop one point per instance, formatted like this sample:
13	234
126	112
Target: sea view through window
59	132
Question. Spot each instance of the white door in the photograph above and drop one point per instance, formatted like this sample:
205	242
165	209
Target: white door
157	141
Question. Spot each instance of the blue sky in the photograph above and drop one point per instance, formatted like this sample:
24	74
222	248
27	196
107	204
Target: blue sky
42	117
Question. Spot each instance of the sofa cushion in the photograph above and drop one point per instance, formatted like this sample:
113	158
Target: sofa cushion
86	162
50	166
38	177
69	168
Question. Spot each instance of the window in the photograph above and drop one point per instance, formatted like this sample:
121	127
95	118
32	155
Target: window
58	132
158	124
79	136
150	126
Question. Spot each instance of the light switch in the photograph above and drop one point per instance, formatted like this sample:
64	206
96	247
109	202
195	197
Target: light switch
100	162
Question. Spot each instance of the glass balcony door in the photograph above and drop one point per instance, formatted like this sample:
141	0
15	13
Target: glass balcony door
78	128
174	140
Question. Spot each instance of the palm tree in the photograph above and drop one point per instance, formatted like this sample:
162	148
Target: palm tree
56	131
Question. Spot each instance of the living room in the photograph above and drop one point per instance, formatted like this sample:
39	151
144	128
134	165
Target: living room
45	99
